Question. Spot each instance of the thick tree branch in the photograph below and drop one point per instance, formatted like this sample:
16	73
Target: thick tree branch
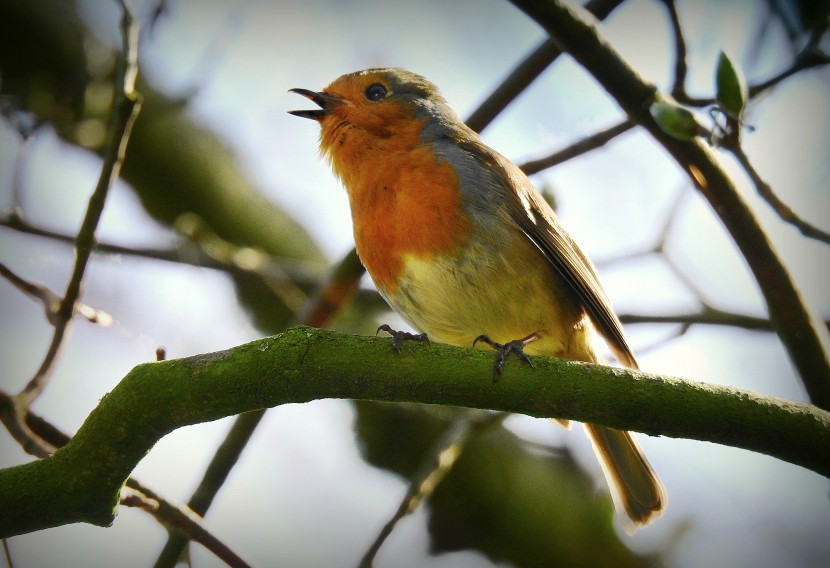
804	338
81	481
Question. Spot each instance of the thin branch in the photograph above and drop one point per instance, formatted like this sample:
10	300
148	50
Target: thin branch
127	106
223	461
681	69
17	422
330	298
527	71
674	334
707	315
81	482
435	465
51	301
246	259
182	521
270	269
811	56
519	79
334	293
7	554
39	438
804	340
169	515
660	241
42	294
587	144
784	211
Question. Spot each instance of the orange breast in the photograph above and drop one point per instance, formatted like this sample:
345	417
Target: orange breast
403	201
405	204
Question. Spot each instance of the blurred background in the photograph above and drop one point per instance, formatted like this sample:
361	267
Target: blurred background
226	221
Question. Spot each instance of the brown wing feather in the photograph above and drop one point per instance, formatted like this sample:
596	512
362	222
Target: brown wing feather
578	272
538	221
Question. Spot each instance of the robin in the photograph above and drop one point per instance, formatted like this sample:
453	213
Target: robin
463	247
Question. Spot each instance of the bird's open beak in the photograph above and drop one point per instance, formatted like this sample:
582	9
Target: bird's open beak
326	103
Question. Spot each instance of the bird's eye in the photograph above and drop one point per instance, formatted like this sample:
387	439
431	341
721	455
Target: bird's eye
375	92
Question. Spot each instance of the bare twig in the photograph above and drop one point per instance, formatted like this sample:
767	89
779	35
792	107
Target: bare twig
809	57
245	259
676	333
181	520
16	422
44	295
47	438
707	315
587	144
38	438
681	68
329	300
7	555
334	293
14	411
527	71
127	106
435	465
661	240
223	461
518	80
236	262
784	211
51	301
304	275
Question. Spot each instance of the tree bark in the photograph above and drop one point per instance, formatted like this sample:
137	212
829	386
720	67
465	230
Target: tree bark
82	480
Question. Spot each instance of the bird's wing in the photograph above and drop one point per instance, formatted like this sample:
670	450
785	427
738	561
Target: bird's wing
538	221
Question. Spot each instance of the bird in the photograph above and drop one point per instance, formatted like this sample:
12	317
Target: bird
463	247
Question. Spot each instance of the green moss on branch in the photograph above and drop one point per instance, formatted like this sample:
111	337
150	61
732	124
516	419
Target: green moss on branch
81	482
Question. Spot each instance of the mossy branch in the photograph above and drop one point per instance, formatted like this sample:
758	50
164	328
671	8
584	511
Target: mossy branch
81	481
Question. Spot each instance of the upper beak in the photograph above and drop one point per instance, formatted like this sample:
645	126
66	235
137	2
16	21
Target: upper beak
326	103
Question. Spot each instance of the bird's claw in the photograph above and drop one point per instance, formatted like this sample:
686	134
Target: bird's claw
399	337
504	350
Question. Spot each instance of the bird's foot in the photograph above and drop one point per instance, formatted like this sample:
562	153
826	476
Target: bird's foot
399	337
503	350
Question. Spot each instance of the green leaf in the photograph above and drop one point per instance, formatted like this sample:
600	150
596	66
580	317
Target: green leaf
730	86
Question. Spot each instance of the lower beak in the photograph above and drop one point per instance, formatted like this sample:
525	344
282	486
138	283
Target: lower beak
326	103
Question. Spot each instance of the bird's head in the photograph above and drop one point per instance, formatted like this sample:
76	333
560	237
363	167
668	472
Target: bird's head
374	105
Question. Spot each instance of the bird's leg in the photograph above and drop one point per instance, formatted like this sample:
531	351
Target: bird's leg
399	337
503	350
